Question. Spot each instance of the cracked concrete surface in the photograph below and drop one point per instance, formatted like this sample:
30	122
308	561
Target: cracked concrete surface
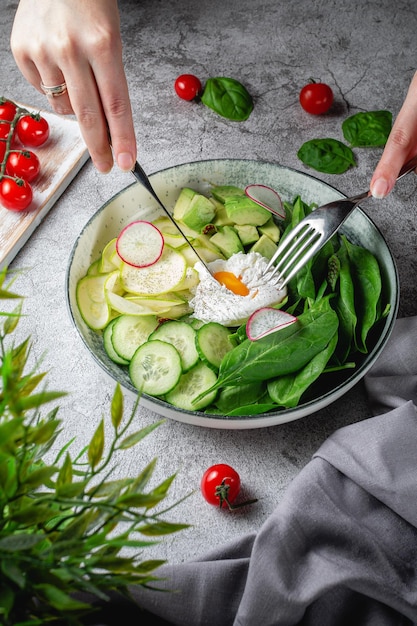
367	53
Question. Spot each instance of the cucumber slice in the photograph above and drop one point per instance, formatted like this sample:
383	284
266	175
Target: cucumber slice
107	263
155	368
163	276
183	337
108	344
130	332
94	268
91	301
123	305
198	379
213	342
113	283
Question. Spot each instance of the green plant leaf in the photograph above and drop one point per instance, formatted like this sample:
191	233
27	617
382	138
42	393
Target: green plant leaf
33	514
161	528
227	97
368	129
39	476
36	400
71	490
19	541
137	500
59	599
65	473
109	489
13	319
96	446
11	570
329	156
7	598
116	409
134	438
143	478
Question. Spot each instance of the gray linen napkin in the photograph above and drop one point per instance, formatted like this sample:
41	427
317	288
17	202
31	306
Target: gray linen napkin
341	547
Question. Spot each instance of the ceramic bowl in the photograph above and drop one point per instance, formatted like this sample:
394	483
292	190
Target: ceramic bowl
107	222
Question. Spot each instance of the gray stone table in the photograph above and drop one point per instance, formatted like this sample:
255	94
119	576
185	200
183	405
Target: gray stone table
367	52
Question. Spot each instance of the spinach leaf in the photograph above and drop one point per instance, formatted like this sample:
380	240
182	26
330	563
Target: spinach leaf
345	306
252	409
368	284
231	398
369	129
228	97
327	155
282	352
287	390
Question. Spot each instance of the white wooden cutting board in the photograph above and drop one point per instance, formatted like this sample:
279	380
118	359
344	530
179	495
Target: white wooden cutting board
61	158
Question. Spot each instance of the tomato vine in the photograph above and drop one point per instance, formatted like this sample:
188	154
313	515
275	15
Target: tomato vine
19	166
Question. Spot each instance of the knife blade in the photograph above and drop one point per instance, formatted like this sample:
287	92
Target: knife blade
140	175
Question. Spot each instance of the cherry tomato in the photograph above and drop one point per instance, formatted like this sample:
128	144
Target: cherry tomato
188	86
32	130
2	150
220	485
7	110
23	164
4	130
15	194
316	98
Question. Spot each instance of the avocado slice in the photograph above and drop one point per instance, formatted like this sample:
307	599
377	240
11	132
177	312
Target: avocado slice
243	210
222	192
227	240
270	229
265	246
199	212
248	234
183	202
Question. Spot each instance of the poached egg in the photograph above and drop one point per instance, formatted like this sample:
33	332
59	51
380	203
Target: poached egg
237	287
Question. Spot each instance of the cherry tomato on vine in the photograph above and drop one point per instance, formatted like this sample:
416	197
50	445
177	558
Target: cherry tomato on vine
15	194
23	164
2	150
7	110
220	485
188	86
4	129
316	98
32	130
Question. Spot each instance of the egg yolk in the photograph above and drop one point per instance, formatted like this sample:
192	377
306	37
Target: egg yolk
232	282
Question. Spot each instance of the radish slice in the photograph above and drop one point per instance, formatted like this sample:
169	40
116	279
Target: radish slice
267	320
140	244
267	198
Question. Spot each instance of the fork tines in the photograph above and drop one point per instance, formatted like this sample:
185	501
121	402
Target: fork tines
293	252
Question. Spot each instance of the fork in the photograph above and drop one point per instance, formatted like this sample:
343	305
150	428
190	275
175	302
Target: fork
305	239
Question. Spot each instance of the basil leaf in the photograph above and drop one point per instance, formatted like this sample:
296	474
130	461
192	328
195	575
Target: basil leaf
327	155
228	98
369	129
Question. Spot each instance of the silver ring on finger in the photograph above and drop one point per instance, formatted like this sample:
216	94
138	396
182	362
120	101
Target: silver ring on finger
54	91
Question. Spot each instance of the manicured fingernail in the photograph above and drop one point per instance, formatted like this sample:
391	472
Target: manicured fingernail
380	188
125	161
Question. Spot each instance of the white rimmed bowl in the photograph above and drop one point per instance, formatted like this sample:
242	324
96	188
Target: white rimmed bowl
107	222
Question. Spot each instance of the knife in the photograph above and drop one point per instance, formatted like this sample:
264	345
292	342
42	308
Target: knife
143	179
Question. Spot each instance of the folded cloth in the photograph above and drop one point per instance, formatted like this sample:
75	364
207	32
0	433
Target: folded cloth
341	547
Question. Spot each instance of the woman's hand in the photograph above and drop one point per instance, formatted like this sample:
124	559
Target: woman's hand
401	145
78	42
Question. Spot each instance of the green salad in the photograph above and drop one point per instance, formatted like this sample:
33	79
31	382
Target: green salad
165	321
